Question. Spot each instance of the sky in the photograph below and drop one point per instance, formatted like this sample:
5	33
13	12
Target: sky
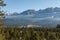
22	5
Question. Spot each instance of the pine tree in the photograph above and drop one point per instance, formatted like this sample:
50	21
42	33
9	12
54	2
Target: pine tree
2	37
1	13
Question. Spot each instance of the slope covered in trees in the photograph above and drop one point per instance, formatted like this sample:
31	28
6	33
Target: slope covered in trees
29	34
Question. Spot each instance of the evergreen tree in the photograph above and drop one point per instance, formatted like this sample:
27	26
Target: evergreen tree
1	13
58	26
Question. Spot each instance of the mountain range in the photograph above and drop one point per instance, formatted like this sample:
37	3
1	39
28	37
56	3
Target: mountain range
33	12
48	17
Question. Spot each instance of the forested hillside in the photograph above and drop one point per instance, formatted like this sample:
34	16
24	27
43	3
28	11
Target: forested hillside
29	33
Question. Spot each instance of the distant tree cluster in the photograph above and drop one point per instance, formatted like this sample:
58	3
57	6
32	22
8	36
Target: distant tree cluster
58	26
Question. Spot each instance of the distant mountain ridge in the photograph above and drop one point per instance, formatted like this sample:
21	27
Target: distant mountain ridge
29	12
33	12
15	13
48	17
49	10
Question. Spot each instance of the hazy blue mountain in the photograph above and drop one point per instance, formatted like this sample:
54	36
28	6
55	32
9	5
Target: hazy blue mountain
49	10
33	12
29	12
15	13
57	9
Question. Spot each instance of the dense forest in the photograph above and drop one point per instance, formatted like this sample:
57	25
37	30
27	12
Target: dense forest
30	33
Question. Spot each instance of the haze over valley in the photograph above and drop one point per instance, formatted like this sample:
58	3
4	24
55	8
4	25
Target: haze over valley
48	17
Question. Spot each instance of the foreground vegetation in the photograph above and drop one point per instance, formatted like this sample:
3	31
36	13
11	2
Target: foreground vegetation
29	33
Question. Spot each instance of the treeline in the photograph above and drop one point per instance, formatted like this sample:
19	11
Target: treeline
29	33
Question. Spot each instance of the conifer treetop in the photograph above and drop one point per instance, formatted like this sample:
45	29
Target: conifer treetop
2	3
